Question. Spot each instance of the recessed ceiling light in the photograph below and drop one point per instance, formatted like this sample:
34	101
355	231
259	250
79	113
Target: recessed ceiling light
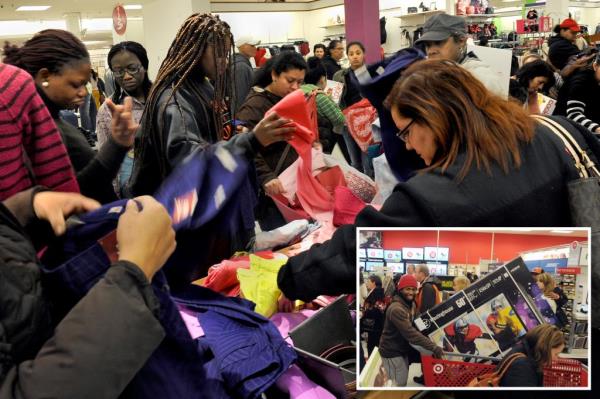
132	6
33	8
561	231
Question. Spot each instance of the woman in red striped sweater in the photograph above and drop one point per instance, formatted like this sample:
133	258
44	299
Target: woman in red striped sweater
31	149
60	66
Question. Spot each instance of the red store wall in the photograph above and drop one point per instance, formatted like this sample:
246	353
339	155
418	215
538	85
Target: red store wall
470	247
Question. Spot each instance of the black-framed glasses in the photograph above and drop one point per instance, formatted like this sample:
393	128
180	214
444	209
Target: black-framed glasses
403	134
131	69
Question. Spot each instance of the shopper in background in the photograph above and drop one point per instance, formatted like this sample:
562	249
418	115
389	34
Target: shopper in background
562	45
487	164
331	60
128	62
546	284
319	50
541	345
60	66
445	37
429	293
400	337
411	269
242	69
279	77
531	78
350	96
578	97
185	113
460	283
373	312
329	115
99	346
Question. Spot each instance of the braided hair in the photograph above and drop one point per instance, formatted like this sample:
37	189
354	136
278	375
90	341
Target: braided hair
51	49
183	60
140	52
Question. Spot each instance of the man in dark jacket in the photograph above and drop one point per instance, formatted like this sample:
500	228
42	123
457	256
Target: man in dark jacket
428	294
98	347
562	46
242	67
399	336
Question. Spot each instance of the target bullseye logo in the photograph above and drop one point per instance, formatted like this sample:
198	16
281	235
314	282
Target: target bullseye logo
438	368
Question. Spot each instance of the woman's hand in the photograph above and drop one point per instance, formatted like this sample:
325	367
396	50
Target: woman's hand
274	187
123	127
145	236
273	129
55	207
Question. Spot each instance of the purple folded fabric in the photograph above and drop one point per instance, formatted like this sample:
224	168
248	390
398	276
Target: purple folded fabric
299	386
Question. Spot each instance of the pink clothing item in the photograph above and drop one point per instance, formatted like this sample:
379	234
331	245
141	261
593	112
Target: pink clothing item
192	323
285	322
299	386
223	277
360	118
347	206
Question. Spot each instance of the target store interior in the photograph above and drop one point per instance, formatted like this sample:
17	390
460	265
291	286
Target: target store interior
521	278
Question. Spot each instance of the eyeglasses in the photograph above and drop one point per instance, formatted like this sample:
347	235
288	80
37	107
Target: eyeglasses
403	134
131	69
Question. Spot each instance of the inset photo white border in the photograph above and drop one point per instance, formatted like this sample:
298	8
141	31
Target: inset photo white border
516	230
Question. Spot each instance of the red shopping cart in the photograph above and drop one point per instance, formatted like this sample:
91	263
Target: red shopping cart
452	373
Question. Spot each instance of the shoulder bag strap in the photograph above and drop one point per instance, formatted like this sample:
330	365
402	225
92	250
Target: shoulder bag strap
284	155
509	361
585	159
576	156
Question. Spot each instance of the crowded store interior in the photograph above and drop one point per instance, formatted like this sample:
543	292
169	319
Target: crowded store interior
183	182
478	294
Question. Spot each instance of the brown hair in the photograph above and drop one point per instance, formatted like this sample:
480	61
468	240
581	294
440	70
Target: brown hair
541	340
463	115
548	282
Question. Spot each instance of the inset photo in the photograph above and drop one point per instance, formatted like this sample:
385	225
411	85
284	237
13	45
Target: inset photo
474	309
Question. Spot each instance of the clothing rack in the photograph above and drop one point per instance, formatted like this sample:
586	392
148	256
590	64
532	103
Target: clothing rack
289	41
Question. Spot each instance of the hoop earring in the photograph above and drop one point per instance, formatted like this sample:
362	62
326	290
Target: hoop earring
45	83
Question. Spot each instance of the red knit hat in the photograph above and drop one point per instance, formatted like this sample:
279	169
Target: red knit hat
408	280
570	24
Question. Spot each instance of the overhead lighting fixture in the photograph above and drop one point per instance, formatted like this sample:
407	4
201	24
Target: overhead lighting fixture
132	6
33	8
561	231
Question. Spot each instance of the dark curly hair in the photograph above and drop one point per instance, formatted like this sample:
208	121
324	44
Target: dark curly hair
535	69
141	54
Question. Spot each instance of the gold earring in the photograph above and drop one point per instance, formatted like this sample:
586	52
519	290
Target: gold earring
45	83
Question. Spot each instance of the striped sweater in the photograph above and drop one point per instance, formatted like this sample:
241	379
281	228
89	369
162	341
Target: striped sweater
30	144
578	99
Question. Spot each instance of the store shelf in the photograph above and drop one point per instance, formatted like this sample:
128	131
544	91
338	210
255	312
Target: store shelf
575	354
419	14
488	16
332	26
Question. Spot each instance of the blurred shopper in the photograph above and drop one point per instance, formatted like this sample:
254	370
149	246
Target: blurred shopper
242	69
373	312
460	283
319	50
531	78
562	44
331	60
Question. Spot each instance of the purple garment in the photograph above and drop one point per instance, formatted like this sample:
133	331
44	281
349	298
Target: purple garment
299	386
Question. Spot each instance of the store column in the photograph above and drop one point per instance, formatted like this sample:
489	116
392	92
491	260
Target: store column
362	24
557	10
162	20
73	23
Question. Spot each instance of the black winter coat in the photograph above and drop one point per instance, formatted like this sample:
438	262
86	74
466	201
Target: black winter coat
331	66
560	51
522	372
533	195
95	350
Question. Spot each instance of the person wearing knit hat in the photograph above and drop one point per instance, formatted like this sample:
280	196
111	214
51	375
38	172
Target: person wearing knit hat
400	337
562	45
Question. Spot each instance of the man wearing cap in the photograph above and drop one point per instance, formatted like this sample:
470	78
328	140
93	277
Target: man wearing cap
244	74
562	46
400	337
445	36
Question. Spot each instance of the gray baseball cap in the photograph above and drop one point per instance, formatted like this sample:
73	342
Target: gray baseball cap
441	27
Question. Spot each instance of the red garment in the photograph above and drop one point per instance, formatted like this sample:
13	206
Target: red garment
27	131
347	206
473	332
223	277
360	118
260	55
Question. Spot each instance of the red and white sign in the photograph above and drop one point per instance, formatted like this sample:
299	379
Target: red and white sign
375	253
412	253
568	270
119	20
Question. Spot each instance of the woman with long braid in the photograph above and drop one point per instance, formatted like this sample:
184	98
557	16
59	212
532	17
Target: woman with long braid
186	113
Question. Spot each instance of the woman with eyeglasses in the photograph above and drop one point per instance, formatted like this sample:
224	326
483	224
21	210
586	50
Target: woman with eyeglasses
60	66
128	62
486	162
331	61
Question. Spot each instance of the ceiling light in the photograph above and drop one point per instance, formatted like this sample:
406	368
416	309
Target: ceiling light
33	8
132	6
561	231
